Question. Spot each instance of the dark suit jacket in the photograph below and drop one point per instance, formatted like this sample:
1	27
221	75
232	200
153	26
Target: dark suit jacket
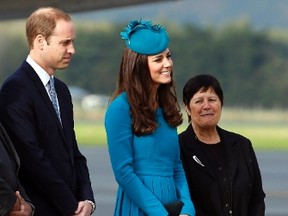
248	195
9	182
53	171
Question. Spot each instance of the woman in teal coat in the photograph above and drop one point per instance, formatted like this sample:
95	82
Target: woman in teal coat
141	122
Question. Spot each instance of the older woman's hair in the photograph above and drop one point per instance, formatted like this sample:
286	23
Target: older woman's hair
203	82
43	22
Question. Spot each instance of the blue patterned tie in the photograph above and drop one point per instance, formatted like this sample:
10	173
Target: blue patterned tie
53	95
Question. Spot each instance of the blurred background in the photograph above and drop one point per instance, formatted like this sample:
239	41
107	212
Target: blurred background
243	43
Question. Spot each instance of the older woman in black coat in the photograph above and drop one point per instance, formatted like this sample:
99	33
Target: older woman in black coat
221	167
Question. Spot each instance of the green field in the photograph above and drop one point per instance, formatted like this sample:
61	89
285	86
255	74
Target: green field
266	129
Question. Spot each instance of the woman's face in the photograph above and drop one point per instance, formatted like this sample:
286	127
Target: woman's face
160	67
204	109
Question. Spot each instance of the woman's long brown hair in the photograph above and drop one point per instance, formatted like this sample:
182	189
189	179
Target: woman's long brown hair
134	78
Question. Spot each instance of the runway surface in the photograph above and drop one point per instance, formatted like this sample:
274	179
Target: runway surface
273	166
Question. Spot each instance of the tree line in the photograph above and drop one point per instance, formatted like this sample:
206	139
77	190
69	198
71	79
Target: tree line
250	64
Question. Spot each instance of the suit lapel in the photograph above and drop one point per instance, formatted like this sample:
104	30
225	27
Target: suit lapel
64	110
42	92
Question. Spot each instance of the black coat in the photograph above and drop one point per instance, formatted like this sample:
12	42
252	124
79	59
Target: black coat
248	195
53	171
9	167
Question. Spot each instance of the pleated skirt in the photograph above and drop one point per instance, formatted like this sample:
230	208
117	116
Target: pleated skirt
162	187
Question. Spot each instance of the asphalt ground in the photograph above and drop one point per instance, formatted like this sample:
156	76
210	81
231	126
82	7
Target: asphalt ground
273	166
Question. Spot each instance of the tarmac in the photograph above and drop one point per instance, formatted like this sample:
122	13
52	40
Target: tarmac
273	166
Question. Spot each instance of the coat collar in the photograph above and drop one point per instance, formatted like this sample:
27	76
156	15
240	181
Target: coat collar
230	143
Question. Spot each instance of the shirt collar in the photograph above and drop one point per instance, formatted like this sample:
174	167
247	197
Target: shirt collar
43	75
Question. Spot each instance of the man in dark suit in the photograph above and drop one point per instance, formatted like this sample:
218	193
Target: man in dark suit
53	171
13	198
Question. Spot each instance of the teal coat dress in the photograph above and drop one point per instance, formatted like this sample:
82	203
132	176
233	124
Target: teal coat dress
147	168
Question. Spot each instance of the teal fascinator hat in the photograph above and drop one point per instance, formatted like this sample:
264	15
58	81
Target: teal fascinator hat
145	38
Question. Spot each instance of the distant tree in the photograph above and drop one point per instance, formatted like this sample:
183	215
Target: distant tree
13	51
96	62
251	66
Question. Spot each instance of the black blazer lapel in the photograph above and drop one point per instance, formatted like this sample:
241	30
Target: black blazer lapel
231	149
195	152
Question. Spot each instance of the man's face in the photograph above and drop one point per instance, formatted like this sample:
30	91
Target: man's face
58	50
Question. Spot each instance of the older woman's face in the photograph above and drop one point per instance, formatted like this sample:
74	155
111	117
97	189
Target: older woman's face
204	109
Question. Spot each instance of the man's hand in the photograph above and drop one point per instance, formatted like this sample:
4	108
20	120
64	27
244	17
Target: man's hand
84	209
21	207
